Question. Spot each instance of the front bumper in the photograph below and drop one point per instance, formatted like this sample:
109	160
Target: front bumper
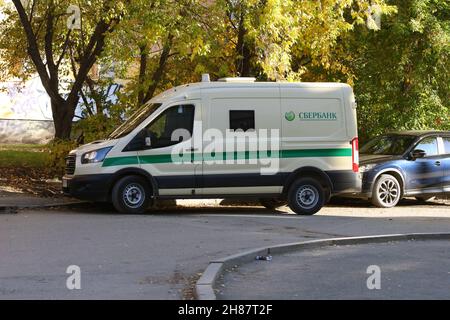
93	187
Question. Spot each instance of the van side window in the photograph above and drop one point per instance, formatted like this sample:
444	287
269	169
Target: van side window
429	145
242	119
177	117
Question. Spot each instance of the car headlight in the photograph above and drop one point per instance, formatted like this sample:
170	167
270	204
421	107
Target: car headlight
95	155
367	167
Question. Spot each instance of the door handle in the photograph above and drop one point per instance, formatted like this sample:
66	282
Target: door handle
437	163
191	149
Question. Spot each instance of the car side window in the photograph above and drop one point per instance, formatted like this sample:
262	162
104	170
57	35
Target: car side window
446	144
161	129
429	145
242	119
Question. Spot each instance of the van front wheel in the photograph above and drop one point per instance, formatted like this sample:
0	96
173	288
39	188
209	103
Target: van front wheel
131	194
306	196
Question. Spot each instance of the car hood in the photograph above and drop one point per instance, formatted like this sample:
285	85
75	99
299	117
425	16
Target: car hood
376	158
94	146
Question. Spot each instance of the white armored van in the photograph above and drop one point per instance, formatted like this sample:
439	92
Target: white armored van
233	138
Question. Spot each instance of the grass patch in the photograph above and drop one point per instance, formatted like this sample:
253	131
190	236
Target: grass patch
17	158
22	147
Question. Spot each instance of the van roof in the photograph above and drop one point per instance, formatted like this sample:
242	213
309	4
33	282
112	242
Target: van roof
183	91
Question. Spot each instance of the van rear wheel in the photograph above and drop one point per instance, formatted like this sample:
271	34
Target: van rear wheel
306	196
131	194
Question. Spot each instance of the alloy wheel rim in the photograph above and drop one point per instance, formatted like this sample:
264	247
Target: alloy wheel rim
388	192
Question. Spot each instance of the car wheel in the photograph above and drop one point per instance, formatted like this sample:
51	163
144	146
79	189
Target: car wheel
424	198
306	196
272	203
131	194
386	192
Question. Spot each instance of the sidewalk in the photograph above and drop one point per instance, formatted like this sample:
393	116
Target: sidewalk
22	200
407	269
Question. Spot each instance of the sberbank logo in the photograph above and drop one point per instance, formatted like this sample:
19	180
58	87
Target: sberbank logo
317	116
289	115
311	116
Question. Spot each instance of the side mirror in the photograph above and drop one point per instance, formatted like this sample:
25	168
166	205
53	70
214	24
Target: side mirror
148	142
418	153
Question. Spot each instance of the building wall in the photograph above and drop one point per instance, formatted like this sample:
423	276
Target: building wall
25	112
26	131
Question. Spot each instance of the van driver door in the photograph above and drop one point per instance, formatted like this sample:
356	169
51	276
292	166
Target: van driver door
169	153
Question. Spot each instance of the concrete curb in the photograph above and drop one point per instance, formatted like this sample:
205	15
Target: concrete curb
204	288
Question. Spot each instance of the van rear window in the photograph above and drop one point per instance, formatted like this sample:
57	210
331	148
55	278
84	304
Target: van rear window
242	119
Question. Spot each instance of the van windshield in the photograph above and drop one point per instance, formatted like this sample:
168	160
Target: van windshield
136	118
388	145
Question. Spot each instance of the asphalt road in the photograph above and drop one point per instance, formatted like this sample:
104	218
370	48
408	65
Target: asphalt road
160	255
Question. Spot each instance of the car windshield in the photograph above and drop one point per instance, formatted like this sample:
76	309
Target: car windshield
387	145
136	118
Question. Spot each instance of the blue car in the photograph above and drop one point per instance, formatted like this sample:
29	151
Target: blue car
406	163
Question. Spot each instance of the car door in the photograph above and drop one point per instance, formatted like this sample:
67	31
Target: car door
445	163
424	175
169	157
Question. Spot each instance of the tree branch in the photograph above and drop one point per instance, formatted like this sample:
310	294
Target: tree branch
159	71
64	48
86	103
48	46
33	51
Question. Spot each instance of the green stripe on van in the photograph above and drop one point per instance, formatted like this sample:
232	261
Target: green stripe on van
120	161
167	158
316	153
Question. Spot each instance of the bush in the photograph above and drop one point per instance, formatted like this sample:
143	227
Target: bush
57	151
93	128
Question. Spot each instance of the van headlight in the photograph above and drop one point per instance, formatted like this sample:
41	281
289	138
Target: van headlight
95	155
367	167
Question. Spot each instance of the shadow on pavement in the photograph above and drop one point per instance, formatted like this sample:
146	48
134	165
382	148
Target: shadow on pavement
169	207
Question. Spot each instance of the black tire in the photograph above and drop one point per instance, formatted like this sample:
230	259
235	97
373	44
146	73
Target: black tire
387	192
272	203
131	194
327	196
423	199
306	196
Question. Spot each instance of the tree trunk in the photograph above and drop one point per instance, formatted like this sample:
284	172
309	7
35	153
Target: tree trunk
142	73
158	73
63	114
242	50
246	56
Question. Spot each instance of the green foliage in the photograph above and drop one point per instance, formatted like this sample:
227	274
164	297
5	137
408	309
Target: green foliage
96	127
56	153
399	73
402	78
